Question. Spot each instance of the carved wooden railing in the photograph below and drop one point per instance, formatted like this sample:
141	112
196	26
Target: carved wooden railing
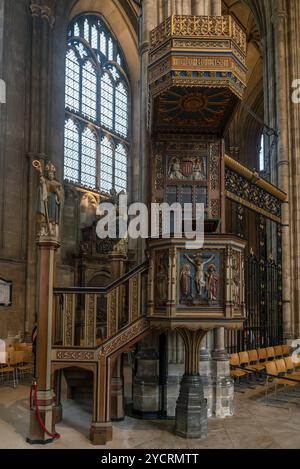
86	317
220	27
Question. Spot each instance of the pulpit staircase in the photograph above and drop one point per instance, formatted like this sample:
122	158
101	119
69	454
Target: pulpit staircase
93	323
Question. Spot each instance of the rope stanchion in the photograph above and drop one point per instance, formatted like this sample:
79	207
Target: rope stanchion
33	395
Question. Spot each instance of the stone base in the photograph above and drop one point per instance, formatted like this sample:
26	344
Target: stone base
101	433
146	396
172	393
205	373
224	398
57	414
191	410
37	436
223	389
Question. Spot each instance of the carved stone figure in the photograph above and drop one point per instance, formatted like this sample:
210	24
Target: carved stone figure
50	199
199	171
175	169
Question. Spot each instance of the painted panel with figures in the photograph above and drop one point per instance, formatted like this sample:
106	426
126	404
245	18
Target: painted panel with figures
200	279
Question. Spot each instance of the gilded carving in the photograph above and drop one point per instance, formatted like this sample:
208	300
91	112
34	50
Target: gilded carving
69	320
112	312
215	167
90	320
74	356
197	26
248	191
123	338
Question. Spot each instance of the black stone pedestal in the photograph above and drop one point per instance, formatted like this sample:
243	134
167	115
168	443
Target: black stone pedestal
191	409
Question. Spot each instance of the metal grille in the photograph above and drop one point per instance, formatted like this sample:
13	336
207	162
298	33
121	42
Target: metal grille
263	326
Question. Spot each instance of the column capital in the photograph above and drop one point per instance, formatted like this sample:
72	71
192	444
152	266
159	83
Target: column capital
43	12
279	16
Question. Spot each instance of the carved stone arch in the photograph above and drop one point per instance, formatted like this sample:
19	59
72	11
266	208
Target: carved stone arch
100	279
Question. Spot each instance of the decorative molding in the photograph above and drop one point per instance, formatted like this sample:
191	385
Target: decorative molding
80	355
251	193
129	334
197	26
254	176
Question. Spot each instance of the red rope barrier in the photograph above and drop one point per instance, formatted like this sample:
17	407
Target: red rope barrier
55	436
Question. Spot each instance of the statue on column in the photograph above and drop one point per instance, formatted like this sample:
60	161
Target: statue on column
51	196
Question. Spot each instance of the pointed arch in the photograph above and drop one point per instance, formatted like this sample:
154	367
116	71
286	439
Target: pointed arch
97	100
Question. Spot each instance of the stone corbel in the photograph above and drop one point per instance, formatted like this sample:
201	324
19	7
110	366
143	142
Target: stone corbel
44	12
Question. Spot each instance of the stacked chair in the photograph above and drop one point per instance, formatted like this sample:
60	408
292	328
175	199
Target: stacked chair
19	365
273	364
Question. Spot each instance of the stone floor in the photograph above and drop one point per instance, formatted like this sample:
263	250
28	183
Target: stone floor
255	426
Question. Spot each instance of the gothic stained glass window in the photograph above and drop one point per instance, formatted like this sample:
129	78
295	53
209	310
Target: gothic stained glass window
97	107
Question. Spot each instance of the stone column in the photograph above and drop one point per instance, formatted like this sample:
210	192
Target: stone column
186	7
47	248
191	409
216	7
175	371
198	7
146	392
57	411
117	391
279	20
206	376
223	386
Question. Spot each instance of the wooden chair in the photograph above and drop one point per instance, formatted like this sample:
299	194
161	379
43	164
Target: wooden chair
286	350
270	353
262	355
278	351
20	347
254	361
8	372
24	365
275	368
236	373
291	366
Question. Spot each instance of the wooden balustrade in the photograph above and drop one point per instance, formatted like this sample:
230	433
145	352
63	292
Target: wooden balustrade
87	317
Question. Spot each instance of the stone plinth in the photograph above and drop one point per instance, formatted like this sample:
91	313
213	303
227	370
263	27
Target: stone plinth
191	410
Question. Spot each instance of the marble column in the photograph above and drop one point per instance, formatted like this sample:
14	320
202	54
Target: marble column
222	383
191	409
47	248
